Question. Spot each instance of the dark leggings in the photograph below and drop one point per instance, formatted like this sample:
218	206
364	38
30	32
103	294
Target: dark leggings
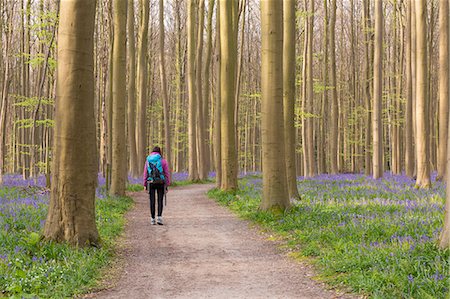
160	190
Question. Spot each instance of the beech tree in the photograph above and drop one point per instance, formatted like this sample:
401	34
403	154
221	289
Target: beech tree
228	61
71	214
275	194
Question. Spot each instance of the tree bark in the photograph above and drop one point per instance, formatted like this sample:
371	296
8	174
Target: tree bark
134	162
228	50
162	69
192	91
422	101
217	106
141	133
378	93
71	214
443	87
289	94
275	194
367	95
333	137
119	149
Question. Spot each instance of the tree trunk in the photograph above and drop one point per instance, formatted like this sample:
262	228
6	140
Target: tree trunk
367	96
134	162
228	50
192	110
422	101
333	135
141	133
162	69
275	194
207	87
201	124
443	87
119	150
217	108
409	135
378	93
71	214
289	94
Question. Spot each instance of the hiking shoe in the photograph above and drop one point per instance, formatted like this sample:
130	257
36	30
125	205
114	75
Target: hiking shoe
153	222
160	221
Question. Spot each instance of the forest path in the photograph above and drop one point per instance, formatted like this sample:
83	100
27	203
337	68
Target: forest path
204	251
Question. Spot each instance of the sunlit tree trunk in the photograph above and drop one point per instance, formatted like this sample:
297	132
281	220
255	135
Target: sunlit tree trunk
228	50
409	134
443	87
422	101
192	92
201	126
162	69
134	162
289	94
71	214
119	149
378	93
275	193
141	129
333	134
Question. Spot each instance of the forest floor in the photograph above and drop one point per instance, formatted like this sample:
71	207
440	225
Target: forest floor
204	251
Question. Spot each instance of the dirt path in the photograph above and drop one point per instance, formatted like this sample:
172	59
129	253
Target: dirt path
204	251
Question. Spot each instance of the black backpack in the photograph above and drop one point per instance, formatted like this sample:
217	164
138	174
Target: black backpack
154	177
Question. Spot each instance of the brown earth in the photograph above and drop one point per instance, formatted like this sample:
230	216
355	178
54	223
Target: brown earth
204	251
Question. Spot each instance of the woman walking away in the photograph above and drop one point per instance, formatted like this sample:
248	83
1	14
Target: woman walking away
156	180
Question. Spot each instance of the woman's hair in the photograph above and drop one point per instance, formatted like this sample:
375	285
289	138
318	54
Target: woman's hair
157	149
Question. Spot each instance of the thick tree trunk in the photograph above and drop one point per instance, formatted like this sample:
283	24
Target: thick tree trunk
275	194
378	93
289	94
422	101
443	87
71	214
134	162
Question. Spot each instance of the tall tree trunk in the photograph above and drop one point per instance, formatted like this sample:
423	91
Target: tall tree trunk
141	133
289	94
324	107
228	50
334	131
134	162
201	124
162	69
119	149
217	106
422	101
71	214
192	116
310	94
378	93
367	95
275	194
4	92
178	87
443	87
207	87
409	134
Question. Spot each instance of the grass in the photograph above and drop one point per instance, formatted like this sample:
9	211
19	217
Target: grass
30	267
376	237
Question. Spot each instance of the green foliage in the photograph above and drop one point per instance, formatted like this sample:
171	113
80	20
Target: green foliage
371	236
31	267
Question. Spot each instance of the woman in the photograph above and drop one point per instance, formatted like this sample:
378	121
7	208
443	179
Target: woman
156	180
